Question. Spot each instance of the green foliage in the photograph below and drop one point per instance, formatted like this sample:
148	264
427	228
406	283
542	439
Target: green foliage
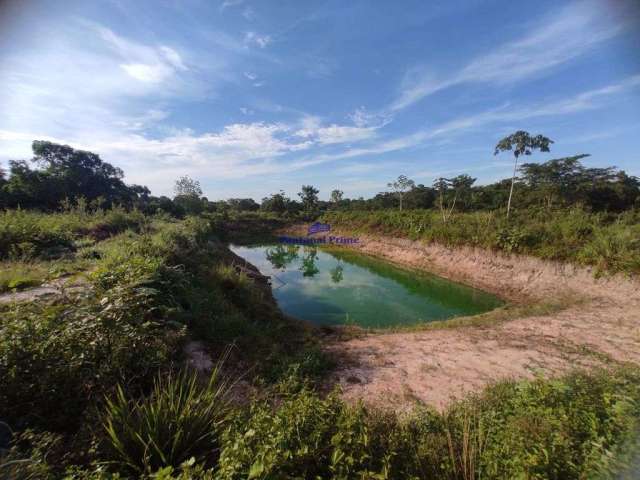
20	275
180	419
55	358
66	173
608	242
571	428
28	234
522	143
401	186
309	198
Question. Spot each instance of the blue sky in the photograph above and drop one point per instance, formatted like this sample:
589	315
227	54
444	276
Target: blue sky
252	97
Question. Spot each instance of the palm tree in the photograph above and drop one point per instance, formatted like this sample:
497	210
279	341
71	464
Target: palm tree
522	144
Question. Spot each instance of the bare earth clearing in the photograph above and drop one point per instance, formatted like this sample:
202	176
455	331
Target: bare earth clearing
600	324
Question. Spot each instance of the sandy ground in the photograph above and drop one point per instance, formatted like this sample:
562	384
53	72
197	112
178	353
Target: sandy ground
434	366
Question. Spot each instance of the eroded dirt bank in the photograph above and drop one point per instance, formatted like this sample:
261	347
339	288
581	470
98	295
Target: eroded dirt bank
433	366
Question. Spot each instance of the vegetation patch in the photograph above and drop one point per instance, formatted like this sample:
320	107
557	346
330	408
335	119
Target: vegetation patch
609	242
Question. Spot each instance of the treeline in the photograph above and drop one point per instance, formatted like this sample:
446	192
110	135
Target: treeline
61	174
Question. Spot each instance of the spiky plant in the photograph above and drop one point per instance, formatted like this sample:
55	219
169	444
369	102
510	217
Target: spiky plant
180	419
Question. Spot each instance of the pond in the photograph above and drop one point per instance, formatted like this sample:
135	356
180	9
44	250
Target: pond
340	287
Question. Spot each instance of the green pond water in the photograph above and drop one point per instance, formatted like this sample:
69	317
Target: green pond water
338	287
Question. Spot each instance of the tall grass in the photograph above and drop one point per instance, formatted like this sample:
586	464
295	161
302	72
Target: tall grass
26	234
180	419
608	242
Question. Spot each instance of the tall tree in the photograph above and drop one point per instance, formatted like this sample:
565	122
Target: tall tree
65	173
277	202
460	187
401	186
187	186
188	193
336	196
309	197
521	143
557	178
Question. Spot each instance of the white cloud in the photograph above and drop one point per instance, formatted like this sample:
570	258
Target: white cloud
250	76
147	73
332	134
230	3
584	101
173	58
563	36
362	118
252	38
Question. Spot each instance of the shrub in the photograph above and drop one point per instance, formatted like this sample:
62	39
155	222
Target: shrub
177	421
576	427
55	358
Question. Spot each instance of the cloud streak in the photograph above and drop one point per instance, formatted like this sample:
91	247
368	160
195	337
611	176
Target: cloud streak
560	38
588	100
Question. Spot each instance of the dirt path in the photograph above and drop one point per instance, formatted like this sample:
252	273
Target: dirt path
433	366
52	288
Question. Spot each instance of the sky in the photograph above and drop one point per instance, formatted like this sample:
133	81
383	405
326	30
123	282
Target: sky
250	97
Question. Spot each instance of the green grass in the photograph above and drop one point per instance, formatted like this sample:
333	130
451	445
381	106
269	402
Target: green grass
149	291
608	242
20	275
574	427
583	425
26	234
111	356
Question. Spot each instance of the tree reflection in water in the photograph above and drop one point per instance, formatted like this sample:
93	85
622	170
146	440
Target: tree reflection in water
280	256
309	267
336	273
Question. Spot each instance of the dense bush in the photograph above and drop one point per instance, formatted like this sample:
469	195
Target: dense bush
28	234
569	428
57	357
609	242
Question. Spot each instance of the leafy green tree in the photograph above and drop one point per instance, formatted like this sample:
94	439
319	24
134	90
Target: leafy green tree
419	197
336	196
243	204
187	186
277	202
66	173
401	186
188	195
450	190
521	143
309	197
554	179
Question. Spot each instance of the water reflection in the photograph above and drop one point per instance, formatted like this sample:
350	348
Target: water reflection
337	273
335	286
309	267
282	255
